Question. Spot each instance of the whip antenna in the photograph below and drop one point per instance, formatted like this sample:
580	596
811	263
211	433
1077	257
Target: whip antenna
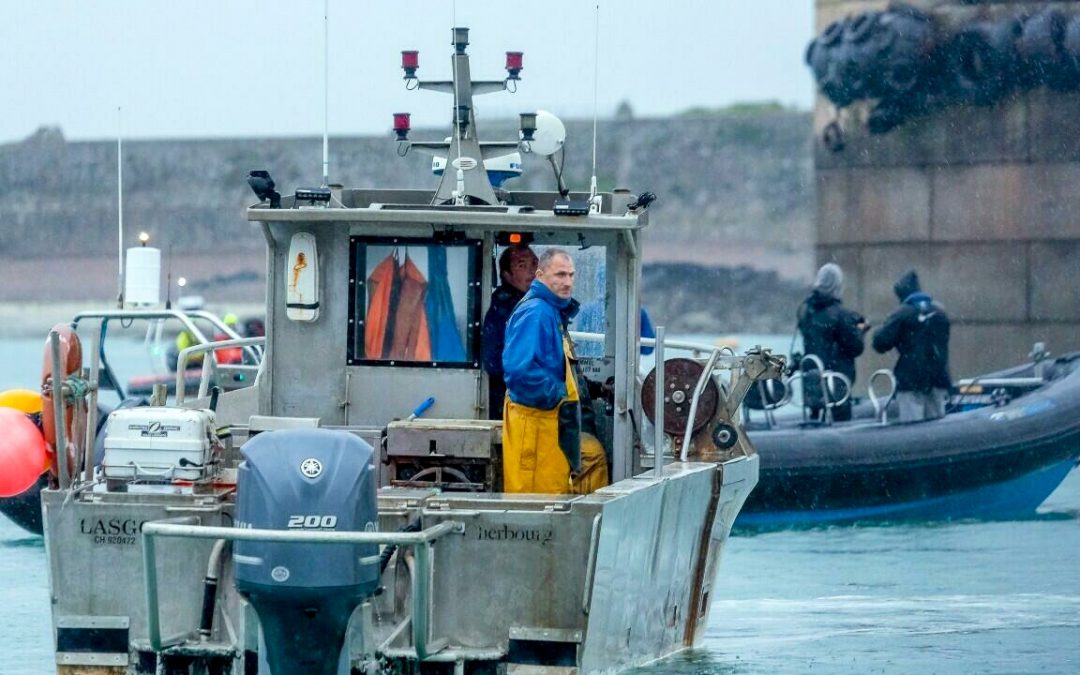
120	211
326	95
594	199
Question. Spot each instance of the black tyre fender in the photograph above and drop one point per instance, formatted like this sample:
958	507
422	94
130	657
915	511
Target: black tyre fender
832	136
1070	47
861	27
833	32
1040	47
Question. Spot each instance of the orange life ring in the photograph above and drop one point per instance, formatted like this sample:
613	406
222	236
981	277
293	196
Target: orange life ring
70	364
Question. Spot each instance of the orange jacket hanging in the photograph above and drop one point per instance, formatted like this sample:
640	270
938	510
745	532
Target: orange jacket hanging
411	339
380	284
396	325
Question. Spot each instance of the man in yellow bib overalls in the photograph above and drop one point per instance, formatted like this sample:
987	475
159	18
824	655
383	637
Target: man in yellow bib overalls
544	447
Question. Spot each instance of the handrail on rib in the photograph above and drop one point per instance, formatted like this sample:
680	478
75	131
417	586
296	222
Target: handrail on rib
421	578
209	364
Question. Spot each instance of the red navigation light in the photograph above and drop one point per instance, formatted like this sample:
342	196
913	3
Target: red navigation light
402	126
410	61
513	65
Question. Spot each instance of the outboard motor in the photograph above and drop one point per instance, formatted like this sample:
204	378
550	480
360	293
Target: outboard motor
304	594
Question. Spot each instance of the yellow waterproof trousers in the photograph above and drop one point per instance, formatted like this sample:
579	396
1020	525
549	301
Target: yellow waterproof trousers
533	462
532	458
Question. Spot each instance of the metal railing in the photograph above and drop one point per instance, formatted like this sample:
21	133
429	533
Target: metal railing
716	360
209	365
419	541
881	401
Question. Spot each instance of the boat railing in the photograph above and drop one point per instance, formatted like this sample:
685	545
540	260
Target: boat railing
811	363
186	319
770	400
879	401
420	542
715	357
83	398
254	351
210	366
1001	382
728	359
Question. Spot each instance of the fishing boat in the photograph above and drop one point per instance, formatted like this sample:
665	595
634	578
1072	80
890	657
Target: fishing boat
344	513
1009	438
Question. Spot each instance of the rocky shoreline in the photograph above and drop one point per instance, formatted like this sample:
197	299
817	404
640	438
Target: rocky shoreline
687	298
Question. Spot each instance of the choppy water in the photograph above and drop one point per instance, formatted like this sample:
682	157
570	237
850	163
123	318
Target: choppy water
973	597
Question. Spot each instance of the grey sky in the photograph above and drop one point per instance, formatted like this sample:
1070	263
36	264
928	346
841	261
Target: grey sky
229	68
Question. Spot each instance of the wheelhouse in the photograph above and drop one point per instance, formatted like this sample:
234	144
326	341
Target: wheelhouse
372	354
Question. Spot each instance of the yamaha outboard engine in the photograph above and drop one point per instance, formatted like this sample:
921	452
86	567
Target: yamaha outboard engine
310	480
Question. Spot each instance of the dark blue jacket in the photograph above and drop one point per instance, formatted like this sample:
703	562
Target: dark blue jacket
919	331
532	359
503	300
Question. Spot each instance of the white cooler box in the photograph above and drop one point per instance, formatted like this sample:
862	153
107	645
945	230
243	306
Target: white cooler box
159	443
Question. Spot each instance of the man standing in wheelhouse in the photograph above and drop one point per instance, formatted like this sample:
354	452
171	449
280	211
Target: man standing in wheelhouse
545	448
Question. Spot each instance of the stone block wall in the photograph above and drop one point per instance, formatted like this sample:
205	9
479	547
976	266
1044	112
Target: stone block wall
983	201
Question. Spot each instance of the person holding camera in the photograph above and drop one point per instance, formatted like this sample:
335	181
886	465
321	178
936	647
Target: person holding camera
831	331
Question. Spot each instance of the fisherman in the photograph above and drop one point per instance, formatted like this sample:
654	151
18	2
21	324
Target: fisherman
546	448
517	269
919	331
831	331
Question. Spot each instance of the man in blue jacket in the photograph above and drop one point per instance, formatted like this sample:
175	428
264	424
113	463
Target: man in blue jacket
544	449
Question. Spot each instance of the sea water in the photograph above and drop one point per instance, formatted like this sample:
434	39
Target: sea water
965	597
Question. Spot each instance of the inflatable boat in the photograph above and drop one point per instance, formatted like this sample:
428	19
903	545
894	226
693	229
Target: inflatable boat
1008	440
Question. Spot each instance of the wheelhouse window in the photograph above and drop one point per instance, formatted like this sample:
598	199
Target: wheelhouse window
414	302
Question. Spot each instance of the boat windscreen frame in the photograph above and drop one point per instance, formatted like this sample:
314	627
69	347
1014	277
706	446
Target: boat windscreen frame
471	341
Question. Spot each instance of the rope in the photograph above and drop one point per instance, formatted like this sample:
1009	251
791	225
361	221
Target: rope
75	390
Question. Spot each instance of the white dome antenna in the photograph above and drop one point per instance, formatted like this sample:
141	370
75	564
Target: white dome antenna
548	137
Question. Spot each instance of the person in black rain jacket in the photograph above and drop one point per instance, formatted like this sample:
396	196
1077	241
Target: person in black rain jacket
919	331
517	269
831	331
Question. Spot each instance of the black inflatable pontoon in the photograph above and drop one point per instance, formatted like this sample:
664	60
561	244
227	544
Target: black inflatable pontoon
1005	447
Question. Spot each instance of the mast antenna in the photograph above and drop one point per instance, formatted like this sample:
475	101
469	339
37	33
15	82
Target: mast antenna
595	199
326	95
120	210
168	281
459	198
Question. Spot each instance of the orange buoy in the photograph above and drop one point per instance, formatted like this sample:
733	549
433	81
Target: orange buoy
23	454
70	364
23	400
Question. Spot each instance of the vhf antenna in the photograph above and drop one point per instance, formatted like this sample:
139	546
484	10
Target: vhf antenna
120	210
595	199
326	96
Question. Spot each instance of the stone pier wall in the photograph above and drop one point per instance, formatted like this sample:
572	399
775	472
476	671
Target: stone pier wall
983	201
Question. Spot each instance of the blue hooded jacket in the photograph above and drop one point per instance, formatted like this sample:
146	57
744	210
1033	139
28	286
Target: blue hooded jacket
533	365
919	331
